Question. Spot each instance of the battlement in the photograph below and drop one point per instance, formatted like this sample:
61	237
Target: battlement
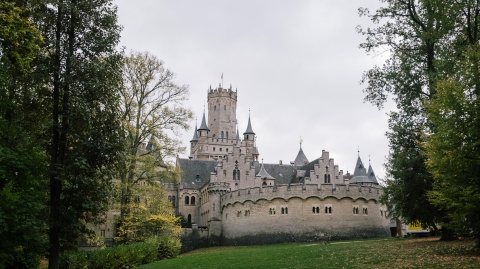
221	92
286	192
218	187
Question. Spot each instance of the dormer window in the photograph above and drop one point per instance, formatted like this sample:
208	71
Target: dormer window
197	178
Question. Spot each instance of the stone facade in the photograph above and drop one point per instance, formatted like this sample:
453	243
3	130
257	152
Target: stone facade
233	199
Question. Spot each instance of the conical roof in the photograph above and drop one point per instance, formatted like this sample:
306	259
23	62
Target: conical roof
360	174
301	159
263	174
238	135
371	174
203	126
195	136
249	127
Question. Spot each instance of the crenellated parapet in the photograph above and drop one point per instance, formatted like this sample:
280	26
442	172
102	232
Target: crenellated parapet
218	187
221	92
286	192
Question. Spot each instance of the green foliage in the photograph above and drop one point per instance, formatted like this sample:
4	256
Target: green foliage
429	42
152	113
454	146
134	254
23	222
150	214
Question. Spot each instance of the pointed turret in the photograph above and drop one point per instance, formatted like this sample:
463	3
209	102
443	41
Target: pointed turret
301	159
360	175
238	135
195	136
263	174
203	126
249	127
371	174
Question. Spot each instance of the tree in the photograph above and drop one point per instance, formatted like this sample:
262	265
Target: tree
82	74
454	148
152	113
427	41
411	32
149	214
22	159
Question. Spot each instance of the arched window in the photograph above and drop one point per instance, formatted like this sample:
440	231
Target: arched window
221	135
192	200
226	135
187	200
189	221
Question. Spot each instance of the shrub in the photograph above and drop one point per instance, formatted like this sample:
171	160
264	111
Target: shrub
134	254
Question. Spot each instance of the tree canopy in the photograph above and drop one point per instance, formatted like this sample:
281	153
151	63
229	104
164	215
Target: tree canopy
428	43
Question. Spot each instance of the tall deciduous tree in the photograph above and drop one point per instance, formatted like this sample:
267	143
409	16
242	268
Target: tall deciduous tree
427	41
410	32
22	158
454	146
153	112
83	77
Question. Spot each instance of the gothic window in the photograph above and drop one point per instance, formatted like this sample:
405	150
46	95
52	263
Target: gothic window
355	210
328	178
272	211
284	210
328	209
187	200
365	211
316	210
226	135
189	221
192	200
213	148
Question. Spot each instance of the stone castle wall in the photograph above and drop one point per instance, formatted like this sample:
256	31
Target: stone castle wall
302	213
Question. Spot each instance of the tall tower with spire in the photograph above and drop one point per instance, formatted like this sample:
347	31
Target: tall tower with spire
218	136
222	113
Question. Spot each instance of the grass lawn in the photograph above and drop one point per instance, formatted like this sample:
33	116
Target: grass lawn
386	253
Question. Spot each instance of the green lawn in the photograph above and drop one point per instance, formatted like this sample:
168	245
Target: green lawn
387	253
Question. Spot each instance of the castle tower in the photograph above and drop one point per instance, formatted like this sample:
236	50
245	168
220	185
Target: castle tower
249	139
222	111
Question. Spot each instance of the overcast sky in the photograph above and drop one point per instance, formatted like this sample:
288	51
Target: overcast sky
295	64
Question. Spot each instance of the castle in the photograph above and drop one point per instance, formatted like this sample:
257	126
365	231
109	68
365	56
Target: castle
229	197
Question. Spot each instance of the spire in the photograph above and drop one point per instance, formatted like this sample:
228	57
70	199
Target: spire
203	126
263	174
249	126
238	135
301	159
371	174
195	137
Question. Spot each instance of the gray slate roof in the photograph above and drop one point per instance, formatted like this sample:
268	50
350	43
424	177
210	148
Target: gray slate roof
301	159
283	174
195	137
204	126
191	168
263	173
249	127
360	174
